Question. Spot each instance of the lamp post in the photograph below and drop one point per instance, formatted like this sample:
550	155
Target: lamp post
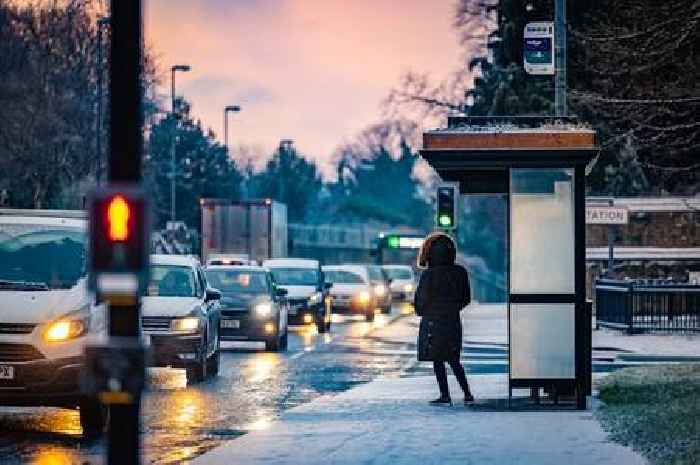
101	23
173	70
227	110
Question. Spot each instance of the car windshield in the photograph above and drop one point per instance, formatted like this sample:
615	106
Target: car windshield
398	273
343	277
295	276
375	273
41	257
238	281
171	281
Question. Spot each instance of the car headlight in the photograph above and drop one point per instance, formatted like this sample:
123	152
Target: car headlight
380	289
408	287
185	324
315	298
263	310
363	297
63	330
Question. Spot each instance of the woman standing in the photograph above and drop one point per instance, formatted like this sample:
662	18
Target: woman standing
443	291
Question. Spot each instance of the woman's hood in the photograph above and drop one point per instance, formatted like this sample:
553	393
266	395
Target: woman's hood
441	254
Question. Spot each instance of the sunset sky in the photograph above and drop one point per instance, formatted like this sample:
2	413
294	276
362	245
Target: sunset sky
314	71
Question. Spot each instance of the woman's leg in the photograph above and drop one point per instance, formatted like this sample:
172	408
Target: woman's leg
458	370
441	376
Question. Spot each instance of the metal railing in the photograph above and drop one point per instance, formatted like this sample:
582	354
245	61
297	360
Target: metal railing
645	305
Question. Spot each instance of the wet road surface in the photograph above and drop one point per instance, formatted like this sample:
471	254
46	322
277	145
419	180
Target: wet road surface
252	388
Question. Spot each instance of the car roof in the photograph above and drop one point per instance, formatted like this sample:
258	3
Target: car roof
238	267
291	262
359	269
178	260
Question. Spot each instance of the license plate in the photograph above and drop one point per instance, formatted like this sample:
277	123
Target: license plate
7	372
230	324
294	309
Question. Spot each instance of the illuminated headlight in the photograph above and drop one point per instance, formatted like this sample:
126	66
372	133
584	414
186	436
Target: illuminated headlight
63	330
408	288
315	298
185	324
380	289
363	297
263	310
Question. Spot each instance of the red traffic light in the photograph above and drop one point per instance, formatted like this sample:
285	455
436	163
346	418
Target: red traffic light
118	213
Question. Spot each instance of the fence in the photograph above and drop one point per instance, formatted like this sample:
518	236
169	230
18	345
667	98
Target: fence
638	306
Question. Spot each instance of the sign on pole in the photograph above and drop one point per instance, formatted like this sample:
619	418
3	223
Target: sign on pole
538	55
607	215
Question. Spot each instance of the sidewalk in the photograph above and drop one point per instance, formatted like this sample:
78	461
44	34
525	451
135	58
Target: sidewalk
388	421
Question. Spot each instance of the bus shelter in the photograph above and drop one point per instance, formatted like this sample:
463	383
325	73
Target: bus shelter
539	165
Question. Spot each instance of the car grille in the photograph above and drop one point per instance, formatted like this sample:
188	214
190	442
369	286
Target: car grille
19	353
234	311
298	301
155	323
16	328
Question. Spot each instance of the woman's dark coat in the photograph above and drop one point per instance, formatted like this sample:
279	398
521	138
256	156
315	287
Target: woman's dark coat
443	291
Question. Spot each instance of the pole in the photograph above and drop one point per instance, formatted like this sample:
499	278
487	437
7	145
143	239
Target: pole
98	130
126	149
172	145
560	106
611	242
226	129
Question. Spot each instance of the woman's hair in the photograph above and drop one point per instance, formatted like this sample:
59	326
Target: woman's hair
424	251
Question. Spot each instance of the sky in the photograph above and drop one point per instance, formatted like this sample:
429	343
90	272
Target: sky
315	71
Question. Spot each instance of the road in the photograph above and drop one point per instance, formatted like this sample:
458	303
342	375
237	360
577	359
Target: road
252	388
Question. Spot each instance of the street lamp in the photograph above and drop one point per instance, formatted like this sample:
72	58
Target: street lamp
101	23
227	109
173	70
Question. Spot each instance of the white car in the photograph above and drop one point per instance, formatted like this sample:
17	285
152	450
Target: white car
352	292
180	317
307	290
403	282
47	315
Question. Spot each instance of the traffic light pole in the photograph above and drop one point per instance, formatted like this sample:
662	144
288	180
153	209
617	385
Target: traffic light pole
560	105
126	148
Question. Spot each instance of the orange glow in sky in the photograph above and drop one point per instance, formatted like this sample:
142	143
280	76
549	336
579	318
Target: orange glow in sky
314	71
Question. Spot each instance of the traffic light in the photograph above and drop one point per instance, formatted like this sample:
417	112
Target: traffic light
118	232
447	203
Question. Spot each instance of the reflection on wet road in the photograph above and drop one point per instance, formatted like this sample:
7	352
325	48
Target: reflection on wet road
252	388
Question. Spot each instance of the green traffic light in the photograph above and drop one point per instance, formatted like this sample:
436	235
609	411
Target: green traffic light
445	220
393	242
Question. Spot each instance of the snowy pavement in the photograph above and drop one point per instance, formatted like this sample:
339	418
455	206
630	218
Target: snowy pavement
388	421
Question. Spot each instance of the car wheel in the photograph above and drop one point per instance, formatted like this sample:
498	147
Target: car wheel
369	316
214	363
198	371
93	417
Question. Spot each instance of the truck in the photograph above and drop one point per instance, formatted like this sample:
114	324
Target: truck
255	229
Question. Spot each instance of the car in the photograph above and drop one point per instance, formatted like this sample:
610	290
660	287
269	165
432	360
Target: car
180	316
381	287
403	282
253	307
307	290
47	314
352	292
229	259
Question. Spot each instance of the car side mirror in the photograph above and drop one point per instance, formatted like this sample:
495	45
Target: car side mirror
327	285
212	294
281	292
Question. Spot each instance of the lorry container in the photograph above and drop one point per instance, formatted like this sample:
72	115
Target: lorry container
253	228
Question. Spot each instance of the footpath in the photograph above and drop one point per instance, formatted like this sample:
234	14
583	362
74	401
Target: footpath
388	420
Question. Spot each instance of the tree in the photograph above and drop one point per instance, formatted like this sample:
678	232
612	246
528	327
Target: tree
289	178
627	178
203	167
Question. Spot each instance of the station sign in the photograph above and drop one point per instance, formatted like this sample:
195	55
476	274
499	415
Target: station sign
538	51
397	241
607	215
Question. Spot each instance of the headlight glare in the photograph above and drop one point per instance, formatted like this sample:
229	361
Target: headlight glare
408	287
263	310
185	324
363	297
315	298
64	330
380	289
